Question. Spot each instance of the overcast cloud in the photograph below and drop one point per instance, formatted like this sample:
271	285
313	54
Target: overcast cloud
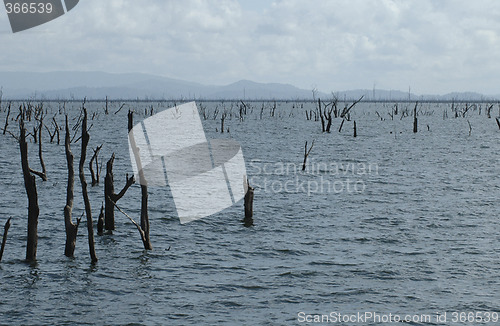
432	46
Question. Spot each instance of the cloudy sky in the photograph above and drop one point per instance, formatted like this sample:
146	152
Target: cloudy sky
433	46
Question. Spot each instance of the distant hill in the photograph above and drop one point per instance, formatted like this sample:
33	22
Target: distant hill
98	85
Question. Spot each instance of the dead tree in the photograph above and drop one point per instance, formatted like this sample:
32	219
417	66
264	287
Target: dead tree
249	193
6	120
4	239
488	111
106	111
43	174
334	105
71	228
121	107
110	195
56	130
321	115
243	110
100	221
88	210
341	125
95	175
139	228
30	185
346	110
223	117
272	111
144	227
328	115
306	154
51	135
415	121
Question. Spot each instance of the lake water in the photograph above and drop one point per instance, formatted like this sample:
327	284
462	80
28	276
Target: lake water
389	222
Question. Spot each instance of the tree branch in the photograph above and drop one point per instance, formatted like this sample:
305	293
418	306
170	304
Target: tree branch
130	182
141	231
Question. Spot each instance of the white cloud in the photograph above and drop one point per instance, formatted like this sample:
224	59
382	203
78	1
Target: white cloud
434	46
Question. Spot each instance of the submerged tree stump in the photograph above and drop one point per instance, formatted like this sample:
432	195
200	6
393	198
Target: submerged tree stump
110	196
100	221
248	220
6	121
341	125
144	227
43	174
88	209
415	121
321	115
223	117
95	175
71	228
306	154
30	185
4	239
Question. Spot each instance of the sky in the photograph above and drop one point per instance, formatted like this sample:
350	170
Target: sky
434	47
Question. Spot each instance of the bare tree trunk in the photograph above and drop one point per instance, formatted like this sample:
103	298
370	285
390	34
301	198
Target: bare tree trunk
88	209
139	228
328	116
4	239
306	154
341	125
110	196
248	220
30	185
145	216
106	108
355	131
121	107
346	110
109	215
95	174
415	121
56	130
144	188
100	221
42	163
6	121
321	116
71	228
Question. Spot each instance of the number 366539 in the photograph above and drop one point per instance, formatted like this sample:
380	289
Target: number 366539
28	8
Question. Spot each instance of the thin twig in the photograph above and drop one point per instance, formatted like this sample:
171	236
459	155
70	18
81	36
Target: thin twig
141	231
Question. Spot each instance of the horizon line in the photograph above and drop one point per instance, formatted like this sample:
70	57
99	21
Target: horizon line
299	100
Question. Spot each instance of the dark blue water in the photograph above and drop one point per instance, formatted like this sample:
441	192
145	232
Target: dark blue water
387	222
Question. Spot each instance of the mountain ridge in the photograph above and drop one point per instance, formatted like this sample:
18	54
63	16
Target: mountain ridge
99	85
